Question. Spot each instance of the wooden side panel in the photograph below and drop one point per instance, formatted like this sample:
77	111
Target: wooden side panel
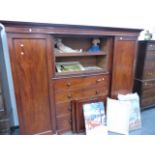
4	118
123	65
31	79
1	97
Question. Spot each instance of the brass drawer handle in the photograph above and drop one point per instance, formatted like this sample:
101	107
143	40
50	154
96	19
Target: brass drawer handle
99	80
68	84
69	96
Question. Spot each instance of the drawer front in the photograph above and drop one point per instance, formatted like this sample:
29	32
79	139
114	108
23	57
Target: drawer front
150	55
150	92
148	84
149	65
63	108
149	74
67	96
148	102
82	82
70	89
63	123
150	47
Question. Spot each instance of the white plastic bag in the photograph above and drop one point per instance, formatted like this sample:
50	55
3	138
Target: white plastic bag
118	116
135	116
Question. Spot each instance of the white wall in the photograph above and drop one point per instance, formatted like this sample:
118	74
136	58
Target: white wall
118	13
113	13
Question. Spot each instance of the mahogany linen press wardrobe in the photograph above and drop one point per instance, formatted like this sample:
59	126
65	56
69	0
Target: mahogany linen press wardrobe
44	92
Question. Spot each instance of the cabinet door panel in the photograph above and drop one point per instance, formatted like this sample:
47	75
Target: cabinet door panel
30	71
123	66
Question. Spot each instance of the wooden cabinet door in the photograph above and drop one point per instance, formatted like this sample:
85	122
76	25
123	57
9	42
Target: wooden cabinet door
32	69
123	65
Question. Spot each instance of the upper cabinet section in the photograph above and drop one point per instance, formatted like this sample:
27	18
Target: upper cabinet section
80	54
76	49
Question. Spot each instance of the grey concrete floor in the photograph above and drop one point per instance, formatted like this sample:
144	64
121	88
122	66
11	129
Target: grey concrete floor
148	124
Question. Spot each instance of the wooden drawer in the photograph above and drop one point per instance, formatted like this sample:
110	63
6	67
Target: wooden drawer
150	56
63	108
148	102
67	96
148	84
82	82
63	123
146	90
149	92
150	47
149	74
149	65
70	89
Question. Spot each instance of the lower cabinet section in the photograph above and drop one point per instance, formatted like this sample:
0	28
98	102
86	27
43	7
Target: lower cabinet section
145	73
146	91
75	89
